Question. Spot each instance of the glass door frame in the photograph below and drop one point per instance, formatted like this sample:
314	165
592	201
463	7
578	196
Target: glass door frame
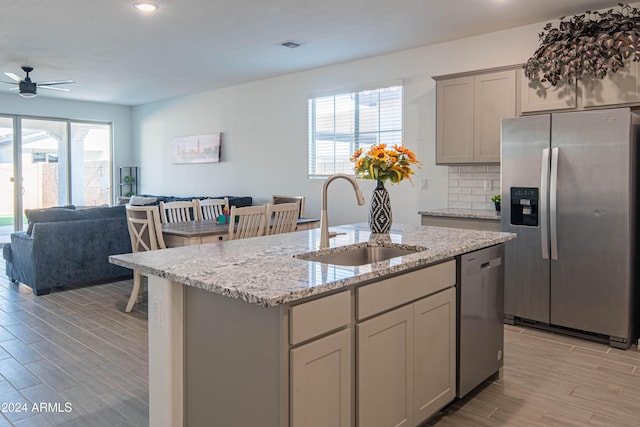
17	160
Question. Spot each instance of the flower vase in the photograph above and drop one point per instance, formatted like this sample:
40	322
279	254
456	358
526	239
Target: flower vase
380	217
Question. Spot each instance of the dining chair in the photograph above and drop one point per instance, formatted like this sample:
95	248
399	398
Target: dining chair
249	221
278	198
282	217
176	211
210	208
145	232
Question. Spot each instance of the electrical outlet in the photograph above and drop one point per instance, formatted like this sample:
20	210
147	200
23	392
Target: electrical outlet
422	183
487	185
156	313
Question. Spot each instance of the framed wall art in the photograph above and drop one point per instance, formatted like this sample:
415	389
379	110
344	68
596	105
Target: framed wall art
196	148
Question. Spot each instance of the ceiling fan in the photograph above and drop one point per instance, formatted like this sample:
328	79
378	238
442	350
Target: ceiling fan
27	88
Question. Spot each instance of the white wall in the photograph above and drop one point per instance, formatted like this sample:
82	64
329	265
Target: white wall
118	115
264	127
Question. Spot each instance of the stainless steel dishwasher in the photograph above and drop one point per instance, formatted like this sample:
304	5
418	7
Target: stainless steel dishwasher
480	317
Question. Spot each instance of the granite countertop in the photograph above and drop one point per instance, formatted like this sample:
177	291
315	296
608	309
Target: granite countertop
263	271
464	213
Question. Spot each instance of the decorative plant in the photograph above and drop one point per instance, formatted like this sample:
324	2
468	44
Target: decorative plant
385	164
592	43
496	199
128	179
129	193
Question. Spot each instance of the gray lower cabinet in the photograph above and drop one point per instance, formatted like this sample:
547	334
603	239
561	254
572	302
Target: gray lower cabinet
379	354
321	382
406	362
385	369
434	350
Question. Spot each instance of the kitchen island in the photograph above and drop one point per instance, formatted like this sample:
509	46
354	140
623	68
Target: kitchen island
234	327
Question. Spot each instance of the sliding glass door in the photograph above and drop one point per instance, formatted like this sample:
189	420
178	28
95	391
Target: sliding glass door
44	163
90	164
49	162
7	198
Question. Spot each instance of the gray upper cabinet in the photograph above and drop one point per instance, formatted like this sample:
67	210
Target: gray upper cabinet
454	120
469	113
621	87
536	96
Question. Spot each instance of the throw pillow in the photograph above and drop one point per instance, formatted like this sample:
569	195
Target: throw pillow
141	201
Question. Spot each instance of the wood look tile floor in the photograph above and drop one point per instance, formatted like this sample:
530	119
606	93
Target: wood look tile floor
75	354
78	347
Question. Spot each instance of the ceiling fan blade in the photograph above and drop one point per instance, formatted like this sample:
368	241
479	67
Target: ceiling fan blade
13	76
53	88
13	88
58	82
9	83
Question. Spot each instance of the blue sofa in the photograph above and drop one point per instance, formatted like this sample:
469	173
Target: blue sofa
69	246
65	246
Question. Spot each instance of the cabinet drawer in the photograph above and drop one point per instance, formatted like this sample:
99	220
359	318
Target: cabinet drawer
395	291
317	317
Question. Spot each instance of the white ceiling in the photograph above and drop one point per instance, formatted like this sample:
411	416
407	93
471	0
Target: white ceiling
117	54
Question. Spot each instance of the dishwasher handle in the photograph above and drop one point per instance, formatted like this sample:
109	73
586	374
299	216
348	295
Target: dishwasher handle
481	267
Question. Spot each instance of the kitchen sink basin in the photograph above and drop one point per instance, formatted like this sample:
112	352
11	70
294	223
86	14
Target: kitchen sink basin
360	254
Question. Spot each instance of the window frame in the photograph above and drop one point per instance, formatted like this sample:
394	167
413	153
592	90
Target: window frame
312	116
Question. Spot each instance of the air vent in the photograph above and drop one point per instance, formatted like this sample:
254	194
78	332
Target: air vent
290	44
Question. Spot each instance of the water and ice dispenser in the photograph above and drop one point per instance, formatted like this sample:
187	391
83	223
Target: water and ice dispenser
524	206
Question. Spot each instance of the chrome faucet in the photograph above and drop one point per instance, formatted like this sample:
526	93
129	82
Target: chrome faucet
324	221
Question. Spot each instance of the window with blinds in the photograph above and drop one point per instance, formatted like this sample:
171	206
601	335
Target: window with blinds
340	124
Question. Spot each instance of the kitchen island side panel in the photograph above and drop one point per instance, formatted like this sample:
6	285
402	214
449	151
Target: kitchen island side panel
234	372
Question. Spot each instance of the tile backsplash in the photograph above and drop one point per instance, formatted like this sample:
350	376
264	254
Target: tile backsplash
467	186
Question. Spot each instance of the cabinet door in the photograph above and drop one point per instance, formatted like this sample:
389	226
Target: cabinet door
385	370
434	334
621	87
321	382
454	117
494	99
536	96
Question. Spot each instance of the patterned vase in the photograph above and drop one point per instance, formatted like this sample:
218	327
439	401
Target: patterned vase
380	211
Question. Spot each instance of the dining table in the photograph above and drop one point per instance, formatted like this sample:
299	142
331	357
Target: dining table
198	232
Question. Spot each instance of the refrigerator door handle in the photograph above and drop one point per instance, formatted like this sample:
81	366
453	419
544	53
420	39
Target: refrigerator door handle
544	205
553	202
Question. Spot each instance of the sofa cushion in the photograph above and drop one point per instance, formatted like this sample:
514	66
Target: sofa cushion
65	214
236	201
240	202
142	201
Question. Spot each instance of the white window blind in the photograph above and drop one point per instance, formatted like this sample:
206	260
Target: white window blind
340	124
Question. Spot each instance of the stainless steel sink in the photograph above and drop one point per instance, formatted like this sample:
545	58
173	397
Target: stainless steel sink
360	254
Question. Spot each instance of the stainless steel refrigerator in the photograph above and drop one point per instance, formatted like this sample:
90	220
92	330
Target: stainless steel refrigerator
569	192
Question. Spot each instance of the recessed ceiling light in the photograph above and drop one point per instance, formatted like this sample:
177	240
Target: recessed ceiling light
146	6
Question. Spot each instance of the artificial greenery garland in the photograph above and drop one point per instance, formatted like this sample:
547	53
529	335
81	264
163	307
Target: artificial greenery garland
592	43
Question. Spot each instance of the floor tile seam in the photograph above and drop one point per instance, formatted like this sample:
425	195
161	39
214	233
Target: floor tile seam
132	341
100	317
542	399
20	360
130	372
107	379
563	340
31	331
53	387
628	367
